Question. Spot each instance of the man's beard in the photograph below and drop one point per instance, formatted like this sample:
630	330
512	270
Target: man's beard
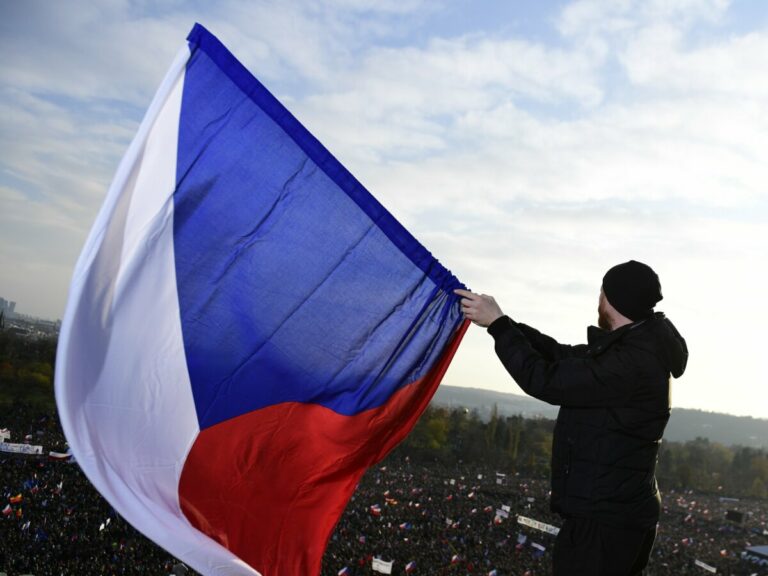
602	319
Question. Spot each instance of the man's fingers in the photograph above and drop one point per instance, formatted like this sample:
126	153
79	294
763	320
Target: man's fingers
465	293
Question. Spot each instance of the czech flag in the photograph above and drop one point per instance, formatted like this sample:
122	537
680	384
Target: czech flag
247	331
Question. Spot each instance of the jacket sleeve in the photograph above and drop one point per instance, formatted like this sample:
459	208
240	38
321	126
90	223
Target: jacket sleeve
566	380
545	345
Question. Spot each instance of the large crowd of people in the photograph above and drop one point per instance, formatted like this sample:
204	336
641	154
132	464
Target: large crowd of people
453	526
423	519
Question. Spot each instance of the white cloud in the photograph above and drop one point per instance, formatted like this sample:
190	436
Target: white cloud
86	52
734	67
64	157
405	102
615	18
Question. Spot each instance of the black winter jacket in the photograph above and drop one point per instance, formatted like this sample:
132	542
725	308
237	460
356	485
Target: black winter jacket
614	399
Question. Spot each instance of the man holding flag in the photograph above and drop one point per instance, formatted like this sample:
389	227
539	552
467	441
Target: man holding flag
614	398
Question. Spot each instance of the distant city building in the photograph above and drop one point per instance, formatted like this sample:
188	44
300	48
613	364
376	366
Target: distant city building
8	308
25	325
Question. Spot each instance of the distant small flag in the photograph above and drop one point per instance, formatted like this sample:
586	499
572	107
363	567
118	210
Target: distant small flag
493	573
16	499
455	559
376	510
410	567
382	566
7	511
361	539
488	509
521	538
60	456
344	571
101	527
705	566
405	526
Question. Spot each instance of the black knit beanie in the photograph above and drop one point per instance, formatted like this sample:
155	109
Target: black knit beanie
632	288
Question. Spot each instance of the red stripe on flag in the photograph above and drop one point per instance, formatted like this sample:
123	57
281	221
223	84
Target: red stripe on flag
270	485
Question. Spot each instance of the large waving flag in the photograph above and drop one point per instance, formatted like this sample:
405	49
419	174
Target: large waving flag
247	330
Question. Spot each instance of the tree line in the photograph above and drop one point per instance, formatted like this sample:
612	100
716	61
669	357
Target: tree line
514	444
26	369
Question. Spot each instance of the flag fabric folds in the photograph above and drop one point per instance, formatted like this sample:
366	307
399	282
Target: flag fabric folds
247	331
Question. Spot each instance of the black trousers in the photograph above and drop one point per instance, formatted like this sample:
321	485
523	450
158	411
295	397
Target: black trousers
588	548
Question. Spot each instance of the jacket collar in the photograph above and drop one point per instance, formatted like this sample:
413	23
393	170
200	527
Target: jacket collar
599	339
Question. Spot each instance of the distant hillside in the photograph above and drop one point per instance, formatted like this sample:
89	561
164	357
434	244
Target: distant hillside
685	424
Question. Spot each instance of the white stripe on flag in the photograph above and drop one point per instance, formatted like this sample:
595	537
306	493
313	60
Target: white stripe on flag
122	385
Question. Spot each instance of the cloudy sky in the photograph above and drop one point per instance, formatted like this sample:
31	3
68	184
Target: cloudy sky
529	145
